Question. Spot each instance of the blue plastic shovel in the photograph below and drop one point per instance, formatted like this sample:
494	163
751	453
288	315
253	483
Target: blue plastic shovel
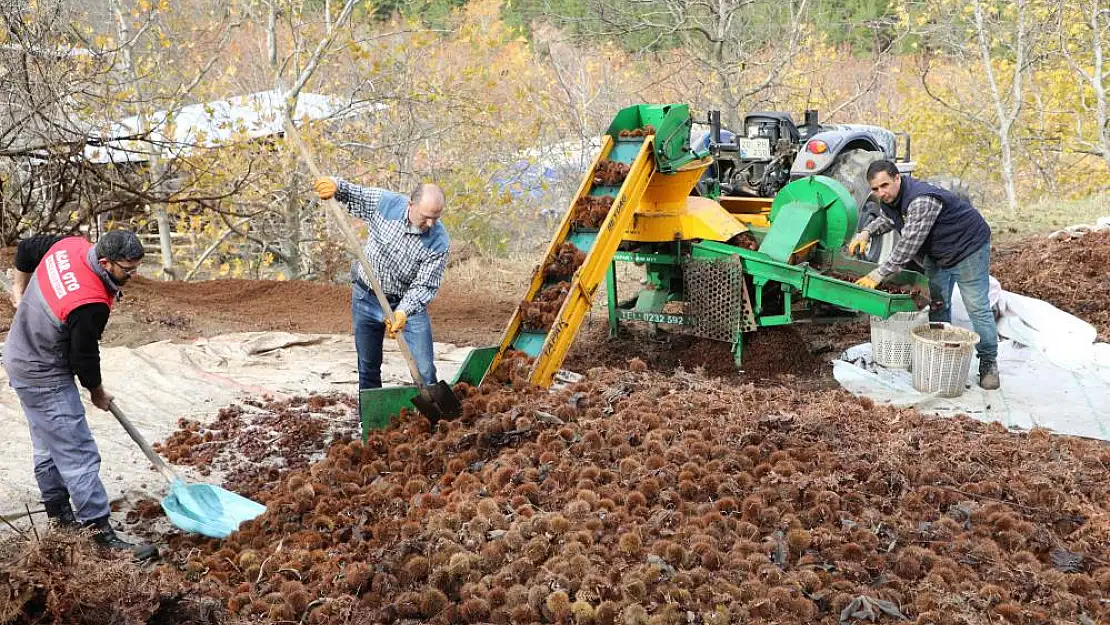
200	508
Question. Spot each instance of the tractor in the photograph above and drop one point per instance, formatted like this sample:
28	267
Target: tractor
773	150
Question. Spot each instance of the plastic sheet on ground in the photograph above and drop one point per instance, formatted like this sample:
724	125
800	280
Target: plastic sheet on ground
1054	375
158	383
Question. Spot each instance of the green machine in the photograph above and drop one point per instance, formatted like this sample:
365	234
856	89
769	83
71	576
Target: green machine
719	267
797	272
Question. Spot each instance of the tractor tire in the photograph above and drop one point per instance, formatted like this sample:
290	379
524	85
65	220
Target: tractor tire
878	248
953	184
850	170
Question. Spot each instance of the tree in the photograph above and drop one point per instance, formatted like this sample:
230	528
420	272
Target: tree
737	48
863	25
998	43
69	159
1084	30
156	97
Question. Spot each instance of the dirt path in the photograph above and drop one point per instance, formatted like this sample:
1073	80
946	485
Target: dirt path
154	310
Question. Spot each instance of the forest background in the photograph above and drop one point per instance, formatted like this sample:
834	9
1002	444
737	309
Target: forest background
116	111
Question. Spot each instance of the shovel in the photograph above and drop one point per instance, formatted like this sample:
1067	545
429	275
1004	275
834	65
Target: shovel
201	508
435	401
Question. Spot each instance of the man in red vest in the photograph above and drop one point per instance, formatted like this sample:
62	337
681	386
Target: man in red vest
64	289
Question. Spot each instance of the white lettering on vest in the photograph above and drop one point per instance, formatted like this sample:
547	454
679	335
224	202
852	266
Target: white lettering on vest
62	280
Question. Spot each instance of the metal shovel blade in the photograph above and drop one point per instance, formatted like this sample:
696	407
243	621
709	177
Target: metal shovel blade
438	401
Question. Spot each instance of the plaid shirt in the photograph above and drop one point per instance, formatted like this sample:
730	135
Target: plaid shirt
920	216
409	263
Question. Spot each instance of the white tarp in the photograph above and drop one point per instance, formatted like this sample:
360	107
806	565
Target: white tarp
1054	373
158	383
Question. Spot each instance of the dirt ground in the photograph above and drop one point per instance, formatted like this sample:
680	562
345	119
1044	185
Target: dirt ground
479	296
467	312
154	310
477	299
1073	275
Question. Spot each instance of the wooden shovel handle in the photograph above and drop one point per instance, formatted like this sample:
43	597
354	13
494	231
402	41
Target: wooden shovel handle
339	216
154	458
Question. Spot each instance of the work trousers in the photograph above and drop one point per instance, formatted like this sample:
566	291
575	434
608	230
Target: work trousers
369	327
67	461
973	276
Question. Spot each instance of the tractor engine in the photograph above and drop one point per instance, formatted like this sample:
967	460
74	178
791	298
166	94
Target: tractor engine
757	164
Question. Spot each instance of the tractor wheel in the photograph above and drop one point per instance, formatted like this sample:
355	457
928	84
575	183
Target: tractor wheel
850	170
953	184
879	248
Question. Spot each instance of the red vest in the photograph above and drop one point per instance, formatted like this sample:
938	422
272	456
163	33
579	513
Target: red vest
66	281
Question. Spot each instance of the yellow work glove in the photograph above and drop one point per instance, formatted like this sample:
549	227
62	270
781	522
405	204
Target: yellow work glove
326	187
870	281
867	283
396	324
858	245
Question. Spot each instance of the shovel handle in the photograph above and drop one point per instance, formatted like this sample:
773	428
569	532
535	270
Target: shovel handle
154	458
339	216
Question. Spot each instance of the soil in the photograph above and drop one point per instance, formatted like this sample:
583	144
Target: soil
156	310
1071	274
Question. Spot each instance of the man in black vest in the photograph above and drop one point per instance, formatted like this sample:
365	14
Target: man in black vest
956	243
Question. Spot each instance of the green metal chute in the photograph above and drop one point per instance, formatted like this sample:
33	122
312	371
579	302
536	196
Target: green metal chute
379	405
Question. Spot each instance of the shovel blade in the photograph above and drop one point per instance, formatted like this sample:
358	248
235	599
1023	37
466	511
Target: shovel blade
437	401
208	510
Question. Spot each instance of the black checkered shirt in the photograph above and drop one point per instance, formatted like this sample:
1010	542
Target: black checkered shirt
920	216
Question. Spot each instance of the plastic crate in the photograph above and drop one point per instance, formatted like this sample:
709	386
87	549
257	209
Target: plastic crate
890	338
941	358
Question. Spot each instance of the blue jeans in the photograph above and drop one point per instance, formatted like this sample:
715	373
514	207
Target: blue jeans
67	462
369	326
973	276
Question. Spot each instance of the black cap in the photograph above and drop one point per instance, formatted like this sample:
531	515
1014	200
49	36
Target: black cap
119	245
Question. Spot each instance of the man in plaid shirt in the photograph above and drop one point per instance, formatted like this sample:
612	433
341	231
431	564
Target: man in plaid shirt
956	242
407	246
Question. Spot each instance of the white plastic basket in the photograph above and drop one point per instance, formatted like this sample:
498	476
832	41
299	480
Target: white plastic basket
941	358
890	338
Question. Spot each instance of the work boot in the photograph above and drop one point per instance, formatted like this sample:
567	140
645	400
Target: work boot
988	375
106	537
60	514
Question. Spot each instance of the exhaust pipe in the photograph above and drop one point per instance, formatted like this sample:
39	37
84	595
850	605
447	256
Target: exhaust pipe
715	127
